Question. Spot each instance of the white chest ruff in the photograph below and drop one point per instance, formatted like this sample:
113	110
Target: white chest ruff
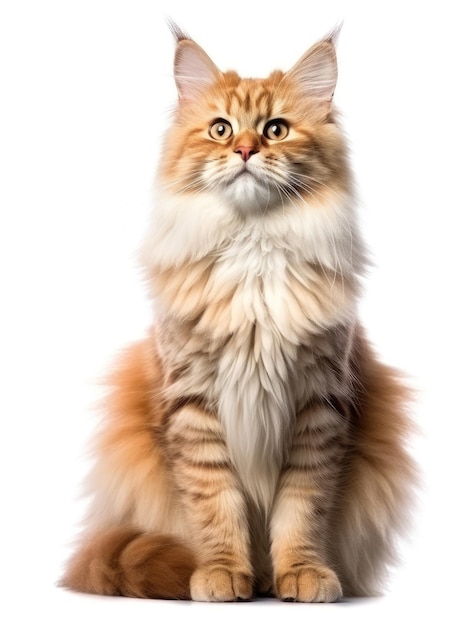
255	403
270	318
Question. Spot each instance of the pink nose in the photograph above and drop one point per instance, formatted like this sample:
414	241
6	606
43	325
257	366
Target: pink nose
245	152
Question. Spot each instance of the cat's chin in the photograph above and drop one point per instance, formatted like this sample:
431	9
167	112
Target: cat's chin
248	195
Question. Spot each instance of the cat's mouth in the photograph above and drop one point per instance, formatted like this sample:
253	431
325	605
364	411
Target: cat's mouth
243	172
248	174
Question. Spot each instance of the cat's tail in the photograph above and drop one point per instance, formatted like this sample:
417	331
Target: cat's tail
381	477
126	562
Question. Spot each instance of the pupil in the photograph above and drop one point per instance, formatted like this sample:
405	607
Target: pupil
221	130
275	129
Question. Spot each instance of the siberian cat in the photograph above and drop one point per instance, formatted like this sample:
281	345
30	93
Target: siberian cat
253	443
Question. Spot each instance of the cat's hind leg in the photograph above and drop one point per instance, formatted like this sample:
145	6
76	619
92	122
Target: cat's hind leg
380	477
130	545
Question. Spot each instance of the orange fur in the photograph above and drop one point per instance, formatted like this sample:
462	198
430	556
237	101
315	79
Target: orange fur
253	443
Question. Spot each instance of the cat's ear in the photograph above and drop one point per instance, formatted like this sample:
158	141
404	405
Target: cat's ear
193	69
316	71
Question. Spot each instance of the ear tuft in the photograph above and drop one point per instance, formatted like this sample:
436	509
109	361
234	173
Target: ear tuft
334	34
176	31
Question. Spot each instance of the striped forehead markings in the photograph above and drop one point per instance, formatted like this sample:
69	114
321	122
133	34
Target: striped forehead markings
249	101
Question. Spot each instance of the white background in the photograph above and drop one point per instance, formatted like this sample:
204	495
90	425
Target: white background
85	94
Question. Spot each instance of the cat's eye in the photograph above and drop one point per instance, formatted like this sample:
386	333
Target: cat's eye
220	129
276	130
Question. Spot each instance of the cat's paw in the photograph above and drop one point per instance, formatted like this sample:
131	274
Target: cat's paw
308	584
219	584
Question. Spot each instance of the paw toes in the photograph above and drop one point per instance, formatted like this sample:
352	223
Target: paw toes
309	584
218	584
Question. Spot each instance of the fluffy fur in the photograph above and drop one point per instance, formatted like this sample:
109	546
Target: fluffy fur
253	443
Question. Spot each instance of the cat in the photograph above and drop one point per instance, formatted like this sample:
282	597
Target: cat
253	443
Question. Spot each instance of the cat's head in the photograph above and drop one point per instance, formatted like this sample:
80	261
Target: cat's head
259	143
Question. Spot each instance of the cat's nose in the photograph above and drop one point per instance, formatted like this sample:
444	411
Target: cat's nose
245	152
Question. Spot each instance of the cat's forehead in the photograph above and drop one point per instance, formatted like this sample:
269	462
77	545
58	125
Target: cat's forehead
249	97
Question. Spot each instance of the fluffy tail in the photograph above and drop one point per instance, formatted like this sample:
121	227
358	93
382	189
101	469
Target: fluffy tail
380	479
125	562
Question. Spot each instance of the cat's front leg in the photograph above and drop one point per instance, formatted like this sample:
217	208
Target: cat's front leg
299	521
214	506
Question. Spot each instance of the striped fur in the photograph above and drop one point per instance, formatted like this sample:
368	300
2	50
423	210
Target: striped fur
253	442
